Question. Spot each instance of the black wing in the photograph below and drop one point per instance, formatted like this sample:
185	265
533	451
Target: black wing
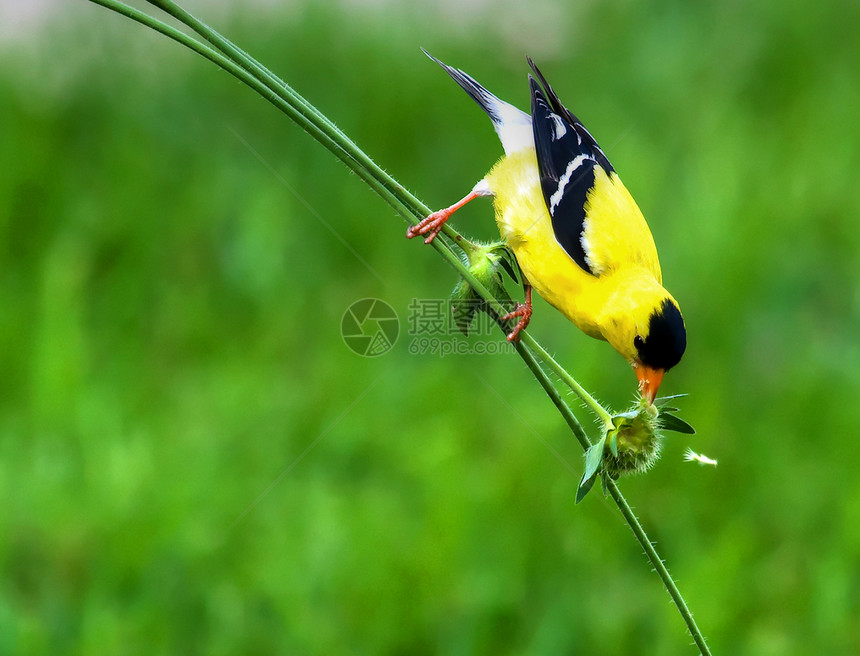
567	155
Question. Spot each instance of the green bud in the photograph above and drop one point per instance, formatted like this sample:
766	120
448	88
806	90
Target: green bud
486	262
635	439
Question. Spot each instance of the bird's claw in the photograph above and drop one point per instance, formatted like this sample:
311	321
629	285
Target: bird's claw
525	314
430	226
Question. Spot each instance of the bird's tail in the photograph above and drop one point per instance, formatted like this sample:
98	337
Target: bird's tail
513	126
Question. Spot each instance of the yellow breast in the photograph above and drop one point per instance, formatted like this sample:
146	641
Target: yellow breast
620	241
526	227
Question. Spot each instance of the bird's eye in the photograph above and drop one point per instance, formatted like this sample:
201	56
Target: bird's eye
638	342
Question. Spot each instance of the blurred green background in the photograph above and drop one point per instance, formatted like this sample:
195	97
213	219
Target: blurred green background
192	461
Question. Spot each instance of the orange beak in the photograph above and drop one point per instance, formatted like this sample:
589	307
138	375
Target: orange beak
649	380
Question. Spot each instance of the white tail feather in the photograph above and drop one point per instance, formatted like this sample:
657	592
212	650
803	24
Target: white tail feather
513	126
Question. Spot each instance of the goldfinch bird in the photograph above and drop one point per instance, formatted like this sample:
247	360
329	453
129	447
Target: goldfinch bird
578	235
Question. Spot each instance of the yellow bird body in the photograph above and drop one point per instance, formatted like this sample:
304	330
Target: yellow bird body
619	237
578	236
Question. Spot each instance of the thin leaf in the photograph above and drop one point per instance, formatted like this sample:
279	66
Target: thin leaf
508	261
672	423
593	458
663	399
585	486
613	443
465	305
624	418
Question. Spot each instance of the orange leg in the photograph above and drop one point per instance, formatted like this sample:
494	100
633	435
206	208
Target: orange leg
433	223
524	311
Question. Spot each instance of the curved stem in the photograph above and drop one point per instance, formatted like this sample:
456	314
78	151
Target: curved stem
570	381
288	94
260	79
553	393
620	501
659	566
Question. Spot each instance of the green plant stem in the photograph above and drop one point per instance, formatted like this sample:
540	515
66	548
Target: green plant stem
245	77
659	565
249	71
553	393
621	502
308	111
570	381
313	122
324	131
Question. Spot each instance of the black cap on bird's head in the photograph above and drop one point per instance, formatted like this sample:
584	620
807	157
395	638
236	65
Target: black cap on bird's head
666	340
661	349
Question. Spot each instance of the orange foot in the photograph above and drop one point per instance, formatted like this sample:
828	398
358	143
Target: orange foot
432	224
524	311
